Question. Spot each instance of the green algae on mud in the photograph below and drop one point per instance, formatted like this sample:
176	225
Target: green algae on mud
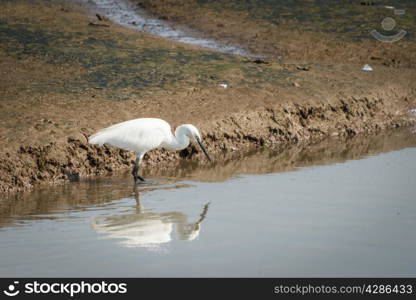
306	30
350	18
117	64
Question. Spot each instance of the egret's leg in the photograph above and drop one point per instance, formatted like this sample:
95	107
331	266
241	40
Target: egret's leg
136	168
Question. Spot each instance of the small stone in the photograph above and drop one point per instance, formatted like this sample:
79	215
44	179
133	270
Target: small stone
302	68
367	68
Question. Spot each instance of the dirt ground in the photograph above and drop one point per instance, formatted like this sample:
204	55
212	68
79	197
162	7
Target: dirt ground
62	79
300	30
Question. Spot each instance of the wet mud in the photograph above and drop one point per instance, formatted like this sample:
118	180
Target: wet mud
63	79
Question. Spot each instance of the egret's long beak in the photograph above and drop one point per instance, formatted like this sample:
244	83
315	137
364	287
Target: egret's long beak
203	148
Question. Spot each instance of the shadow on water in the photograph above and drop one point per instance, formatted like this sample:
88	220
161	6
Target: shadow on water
51	203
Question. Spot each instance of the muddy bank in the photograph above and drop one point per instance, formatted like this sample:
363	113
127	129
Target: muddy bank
309	30
63	79
240	132
283	159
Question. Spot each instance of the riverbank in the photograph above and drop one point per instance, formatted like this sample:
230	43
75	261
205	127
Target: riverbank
300	31
66	74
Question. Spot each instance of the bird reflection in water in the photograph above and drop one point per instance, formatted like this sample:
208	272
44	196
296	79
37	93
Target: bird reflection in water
146	229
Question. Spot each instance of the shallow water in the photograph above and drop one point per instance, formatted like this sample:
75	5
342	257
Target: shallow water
330	209
130	15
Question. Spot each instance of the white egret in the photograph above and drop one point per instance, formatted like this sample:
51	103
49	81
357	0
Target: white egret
144	134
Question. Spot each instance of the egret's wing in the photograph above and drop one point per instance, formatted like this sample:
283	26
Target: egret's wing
139	135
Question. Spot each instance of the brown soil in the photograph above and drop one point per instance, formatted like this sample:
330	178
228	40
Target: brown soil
54	96
40	202
305	30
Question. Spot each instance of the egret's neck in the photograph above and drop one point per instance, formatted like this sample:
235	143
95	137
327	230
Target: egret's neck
179	141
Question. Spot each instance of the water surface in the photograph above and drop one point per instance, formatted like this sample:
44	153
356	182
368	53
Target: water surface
330	209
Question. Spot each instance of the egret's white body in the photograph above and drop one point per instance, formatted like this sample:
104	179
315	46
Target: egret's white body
145	134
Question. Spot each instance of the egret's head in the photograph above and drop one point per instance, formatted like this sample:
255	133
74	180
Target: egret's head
193	133
190	131
189	232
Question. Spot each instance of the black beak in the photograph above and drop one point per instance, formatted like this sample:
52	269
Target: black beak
203	148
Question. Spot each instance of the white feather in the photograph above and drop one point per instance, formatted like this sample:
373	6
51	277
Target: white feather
138	135
142	135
